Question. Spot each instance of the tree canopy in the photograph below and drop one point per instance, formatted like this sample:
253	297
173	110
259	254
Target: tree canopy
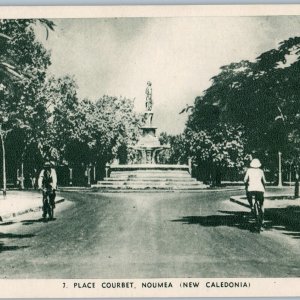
257	102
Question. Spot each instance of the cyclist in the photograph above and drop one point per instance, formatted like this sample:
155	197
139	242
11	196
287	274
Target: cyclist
48	181
255	183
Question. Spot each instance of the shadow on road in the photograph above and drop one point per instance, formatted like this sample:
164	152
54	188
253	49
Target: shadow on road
238	219
3	247
41	220
15	236
7	223
284	219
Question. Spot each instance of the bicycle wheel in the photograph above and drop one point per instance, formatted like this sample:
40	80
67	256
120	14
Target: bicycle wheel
48	208
258	216
51	212
45	207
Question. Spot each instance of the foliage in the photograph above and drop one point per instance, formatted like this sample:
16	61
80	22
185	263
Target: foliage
59	126
177	154
86	132
253	108
23	65
117	127
20	105
215	145
263	97
222	146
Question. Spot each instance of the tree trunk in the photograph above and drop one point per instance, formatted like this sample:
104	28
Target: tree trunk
3	163
22	185
297	185
218	176
22	176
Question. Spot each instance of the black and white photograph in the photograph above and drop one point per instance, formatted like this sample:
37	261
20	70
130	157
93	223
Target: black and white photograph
150	148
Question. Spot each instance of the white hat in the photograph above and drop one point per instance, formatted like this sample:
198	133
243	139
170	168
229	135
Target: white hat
255	163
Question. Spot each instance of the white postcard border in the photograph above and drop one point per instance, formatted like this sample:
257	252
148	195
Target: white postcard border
65	288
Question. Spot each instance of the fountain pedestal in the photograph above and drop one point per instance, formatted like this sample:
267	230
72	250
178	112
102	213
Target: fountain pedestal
149	145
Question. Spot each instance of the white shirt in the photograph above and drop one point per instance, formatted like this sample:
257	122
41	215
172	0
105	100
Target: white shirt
54	179
256	180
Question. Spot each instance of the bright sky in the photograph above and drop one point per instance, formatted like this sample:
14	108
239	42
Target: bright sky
178	55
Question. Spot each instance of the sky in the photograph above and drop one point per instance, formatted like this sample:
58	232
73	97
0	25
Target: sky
179	55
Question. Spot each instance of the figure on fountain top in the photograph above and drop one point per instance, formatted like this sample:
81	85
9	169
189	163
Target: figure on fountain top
149	101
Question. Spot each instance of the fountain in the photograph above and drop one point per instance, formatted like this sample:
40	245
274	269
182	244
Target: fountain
148	173
149	145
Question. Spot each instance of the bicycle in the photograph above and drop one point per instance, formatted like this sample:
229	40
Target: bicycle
258	214
48	206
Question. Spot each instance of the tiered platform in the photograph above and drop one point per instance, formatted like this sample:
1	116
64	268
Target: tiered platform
149	176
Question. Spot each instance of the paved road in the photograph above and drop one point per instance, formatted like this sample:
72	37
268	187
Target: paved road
145	236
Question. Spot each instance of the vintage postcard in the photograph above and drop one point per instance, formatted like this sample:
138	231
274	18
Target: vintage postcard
150	151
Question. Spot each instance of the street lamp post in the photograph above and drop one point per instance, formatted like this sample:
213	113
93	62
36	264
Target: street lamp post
279	170
88	170
297	184
71	176
94	168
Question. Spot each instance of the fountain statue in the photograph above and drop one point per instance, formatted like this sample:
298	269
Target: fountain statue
149	101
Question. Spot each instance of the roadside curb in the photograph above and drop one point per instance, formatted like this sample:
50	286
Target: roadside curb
76	189
242	200
27	210
103	191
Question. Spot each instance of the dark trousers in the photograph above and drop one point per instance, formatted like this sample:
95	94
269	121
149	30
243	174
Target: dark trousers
258	196
52	196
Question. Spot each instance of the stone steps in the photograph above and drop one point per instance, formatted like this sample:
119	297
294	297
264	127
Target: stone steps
145	175
150	173
153	179
145	187
181	185
148	183
165	178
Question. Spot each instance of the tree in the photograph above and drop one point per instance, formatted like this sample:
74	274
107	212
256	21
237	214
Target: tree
82	132
262	96
25	58
60	125
217	150
116	129
177	153
7	76
216	145
7	71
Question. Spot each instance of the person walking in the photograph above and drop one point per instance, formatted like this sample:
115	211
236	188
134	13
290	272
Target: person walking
255	183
